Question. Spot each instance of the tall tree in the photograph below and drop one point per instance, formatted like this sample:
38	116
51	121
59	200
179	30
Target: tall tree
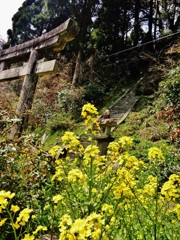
150	20
137	26
114	23
173	12
56	12
32	19
83	11
170	12
29	22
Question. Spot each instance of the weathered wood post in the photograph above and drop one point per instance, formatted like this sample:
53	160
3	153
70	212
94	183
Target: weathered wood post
55	40
26	96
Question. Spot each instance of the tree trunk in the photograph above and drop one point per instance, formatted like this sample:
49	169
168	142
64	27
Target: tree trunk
77	69
136	22
156	16
161	27
172	15
150	24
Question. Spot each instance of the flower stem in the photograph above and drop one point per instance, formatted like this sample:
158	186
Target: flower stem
90	185
12	222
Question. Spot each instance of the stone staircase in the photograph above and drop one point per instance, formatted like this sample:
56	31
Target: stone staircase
123	106
118	112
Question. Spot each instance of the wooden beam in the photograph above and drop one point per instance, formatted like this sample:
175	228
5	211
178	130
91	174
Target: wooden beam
55	39
19	72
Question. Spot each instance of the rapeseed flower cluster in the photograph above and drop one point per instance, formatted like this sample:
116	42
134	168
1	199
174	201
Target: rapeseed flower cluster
122	190
33	237
23	217
4	197
89	109
81	228
91	152
54	151
28	237
57	198
90	115
171	189
125	142
21	220
155	155
76	175
150	186
177	210
70	139
107	209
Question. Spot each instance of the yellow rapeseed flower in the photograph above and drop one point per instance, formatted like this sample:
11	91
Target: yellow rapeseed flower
65	222
4	196
59	174
69	138
177	210
89	109
113	147
23	216
171	188
155	155
125	142
150	188
96	234
78	228
39	228
46	207
54	150
91	150
3	221
94	190
107	209
75	174
57	198
14	208
3	202
16	225
28	237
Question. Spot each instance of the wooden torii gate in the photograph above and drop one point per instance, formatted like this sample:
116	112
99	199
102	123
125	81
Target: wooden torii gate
31	55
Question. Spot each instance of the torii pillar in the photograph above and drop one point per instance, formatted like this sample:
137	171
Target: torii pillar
26	96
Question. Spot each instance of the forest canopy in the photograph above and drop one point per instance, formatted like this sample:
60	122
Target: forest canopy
106	25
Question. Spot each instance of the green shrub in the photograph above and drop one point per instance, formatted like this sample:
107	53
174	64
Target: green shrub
71	100
170	89
94	92
60	121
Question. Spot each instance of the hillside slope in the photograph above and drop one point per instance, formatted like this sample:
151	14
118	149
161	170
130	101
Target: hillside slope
156	115
139	104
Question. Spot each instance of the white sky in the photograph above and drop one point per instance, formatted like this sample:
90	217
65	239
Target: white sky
7	9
